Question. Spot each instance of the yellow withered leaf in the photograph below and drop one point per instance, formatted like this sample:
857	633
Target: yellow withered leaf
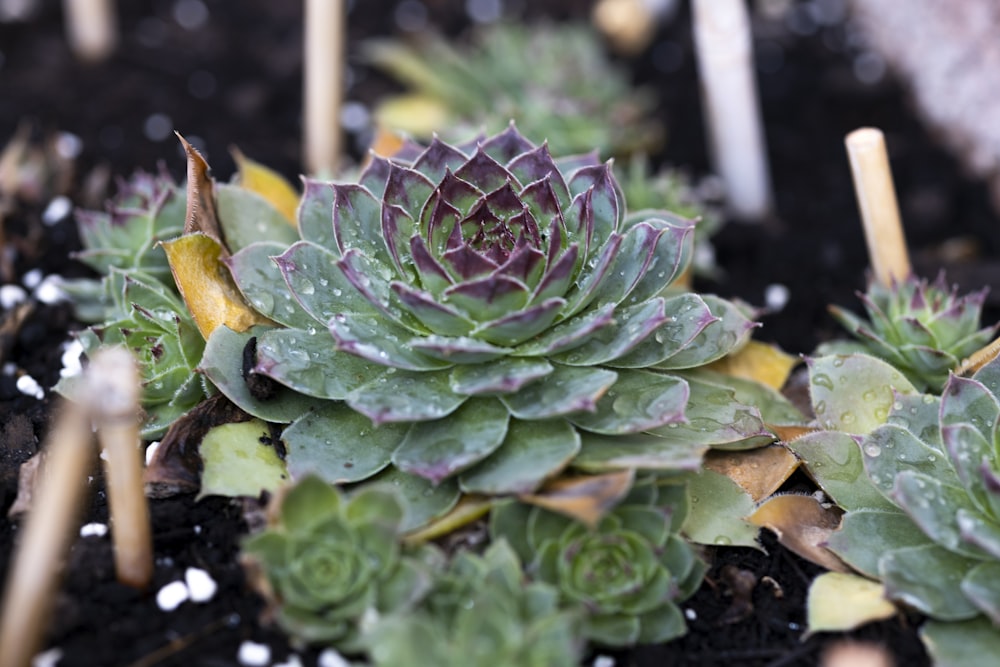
415	114
207	288
802	525
759	471
585	498
269	184
469	509
758	361
840	601
386	142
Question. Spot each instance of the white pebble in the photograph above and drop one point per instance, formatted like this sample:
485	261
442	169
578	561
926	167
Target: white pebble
32	278
330	658
29	386
48	658
93	530
57	209
253	654
172	595
50	290
604	661
293	661
776	296
11	295
200	584
68	145
151	450
71	366
690	614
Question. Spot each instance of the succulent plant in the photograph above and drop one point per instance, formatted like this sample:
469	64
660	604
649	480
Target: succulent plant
921	493
483	312
923	329
481	611
134	301
327	563
629	572
555	81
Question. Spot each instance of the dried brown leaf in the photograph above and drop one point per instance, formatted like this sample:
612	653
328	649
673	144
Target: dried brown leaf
803	526
759	471
586	498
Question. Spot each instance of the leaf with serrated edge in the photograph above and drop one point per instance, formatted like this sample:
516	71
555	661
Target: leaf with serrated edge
339	444
532	452
438	449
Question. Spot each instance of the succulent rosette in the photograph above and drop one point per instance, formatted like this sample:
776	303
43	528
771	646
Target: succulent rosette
628	573
923	329
487	313
327	561
481	611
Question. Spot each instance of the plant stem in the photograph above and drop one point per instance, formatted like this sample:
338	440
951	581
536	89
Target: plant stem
725	64
877	202
113	384
91	28
323	82
48	531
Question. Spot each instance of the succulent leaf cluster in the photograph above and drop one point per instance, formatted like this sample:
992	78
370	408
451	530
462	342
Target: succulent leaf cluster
555	80
923	329
328	562
481	610
134	301
483	312
921	493
628	573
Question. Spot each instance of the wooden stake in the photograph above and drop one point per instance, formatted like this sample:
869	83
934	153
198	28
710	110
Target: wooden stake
725	64
323	82
877	202
47	534
113	386
91	28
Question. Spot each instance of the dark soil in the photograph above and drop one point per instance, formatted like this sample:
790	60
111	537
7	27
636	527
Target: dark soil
235	81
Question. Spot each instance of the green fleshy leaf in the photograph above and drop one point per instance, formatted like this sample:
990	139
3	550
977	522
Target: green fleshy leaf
773	406
438	449
223	364
716	340
568	334
600	453
375	338
339	444
716	418
404	396
969	450
532	452
982	586
661	625
932	505
563	391
313	276
423	500
612	629
918	414
307	362
502	376
961	644
854	393
631	325
371	504
983	534
687	316
866	534
260	281
718	509
673	250
834	460
246	217
928	578
309	503
237	462
457	350
890	449
638	401
315	213
357	217
966	401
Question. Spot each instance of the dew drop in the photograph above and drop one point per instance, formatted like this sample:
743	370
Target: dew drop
823	380
723	540
873	450
848	418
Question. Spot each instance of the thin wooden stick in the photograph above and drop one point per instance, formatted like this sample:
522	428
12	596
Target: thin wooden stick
877	202
91	28
725	65
48	532
323	82
113	383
